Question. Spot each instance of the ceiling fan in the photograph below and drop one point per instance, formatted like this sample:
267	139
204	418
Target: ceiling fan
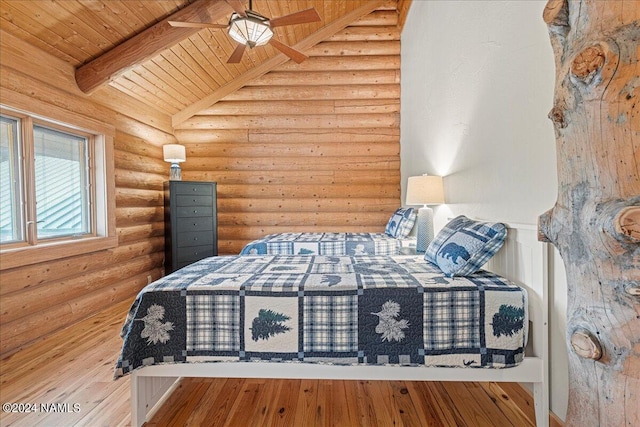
249	28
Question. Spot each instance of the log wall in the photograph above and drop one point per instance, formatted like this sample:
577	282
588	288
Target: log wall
38	299
308	147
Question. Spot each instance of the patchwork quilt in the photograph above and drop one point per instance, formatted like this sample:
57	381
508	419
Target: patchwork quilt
398	310
324	244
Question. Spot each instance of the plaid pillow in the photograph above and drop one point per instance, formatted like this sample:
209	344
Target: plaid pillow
463	246
401	223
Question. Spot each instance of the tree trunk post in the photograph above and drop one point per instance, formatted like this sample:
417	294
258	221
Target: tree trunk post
595	223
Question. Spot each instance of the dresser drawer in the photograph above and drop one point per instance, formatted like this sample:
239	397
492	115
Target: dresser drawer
185	225
193	188
193	211
194	200
194	253
195	238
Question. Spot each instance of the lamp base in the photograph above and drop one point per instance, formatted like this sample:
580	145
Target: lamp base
425	228
175	173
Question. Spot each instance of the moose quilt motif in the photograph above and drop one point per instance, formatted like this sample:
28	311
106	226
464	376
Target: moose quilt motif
379	310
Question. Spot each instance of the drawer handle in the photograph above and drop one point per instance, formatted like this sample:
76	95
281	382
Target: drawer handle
195	224
195	211
195	238
194	200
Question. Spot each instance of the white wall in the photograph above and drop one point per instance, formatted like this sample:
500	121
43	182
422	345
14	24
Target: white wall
477	84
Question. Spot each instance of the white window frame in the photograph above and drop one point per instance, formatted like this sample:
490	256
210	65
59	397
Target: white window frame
103	232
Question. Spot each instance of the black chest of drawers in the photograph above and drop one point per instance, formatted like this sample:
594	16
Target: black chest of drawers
191	226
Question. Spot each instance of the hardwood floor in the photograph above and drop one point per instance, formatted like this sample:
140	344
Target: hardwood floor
75	367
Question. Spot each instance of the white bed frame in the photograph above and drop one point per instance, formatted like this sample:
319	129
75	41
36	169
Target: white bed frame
522	259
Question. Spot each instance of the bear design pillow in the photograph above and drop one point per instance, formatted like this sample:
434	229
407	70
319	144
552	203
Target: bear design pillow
401	223
463	246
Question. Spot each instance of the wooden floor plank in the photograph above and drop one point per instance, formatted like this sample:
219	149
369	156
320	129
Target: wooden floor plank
75	366
271	406
504	402
446	407
219	411
200	400
519	396
249	397
386	412
307	403
475	409
339	394
323	404
109	411
285	412
406	409
422	400
185	402
333	408
367	405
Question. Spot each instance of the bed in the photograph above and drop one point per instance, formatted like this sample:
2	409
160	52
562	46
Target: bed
395	240
339	317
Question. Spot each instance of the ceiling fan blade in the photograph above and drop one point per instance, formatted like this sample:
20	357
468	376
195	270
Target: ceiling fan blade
302	17
287	50
237	6
236	56
195	24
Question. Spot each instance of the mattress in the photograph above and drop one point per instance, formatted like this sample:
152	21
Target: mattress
374	310
327	244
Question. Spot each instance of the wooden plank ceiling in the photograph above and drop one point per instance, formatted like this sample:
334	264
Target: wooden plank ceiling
174	80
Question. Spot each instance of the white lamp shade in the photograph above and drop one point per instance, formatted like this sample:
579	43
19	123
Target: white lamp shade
425	190
174	153
251	30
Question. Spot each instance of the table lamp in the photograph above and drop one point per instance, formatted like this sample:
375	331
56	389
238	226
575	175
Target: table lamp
424	190
174	154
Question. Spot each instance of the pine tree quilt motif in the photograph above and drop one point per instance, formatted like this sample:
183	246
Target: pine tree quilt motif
268	324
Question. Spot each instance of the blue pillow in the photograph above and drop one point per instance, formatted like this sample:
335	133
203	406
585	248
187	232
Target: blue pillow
463	246
401	223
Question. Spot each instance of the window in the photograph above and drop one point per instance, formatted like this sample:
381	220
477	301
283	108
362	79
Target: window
11	224
63	201
53	186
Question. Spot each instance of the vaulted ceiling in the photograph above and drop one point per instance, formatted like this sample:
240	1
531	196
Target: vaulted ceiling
128	44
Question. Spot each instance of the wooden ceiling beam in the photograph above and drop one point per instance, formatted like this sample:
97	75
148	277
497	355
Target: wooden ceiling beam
240	81
147	44
403	11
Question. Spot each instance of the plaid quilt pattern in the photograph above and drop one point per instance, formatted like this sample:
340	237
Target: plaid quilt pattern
213	322
333	244
275	282
330	323
325	309
452	320
278	247
389	280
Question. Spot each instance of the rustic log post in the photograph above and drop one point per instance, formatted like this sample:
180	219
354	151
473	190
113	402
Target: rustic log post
595	223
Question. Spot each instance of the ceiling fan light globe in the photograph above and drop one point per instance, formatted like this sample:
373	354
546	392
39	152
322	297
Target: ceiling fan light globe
251	30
